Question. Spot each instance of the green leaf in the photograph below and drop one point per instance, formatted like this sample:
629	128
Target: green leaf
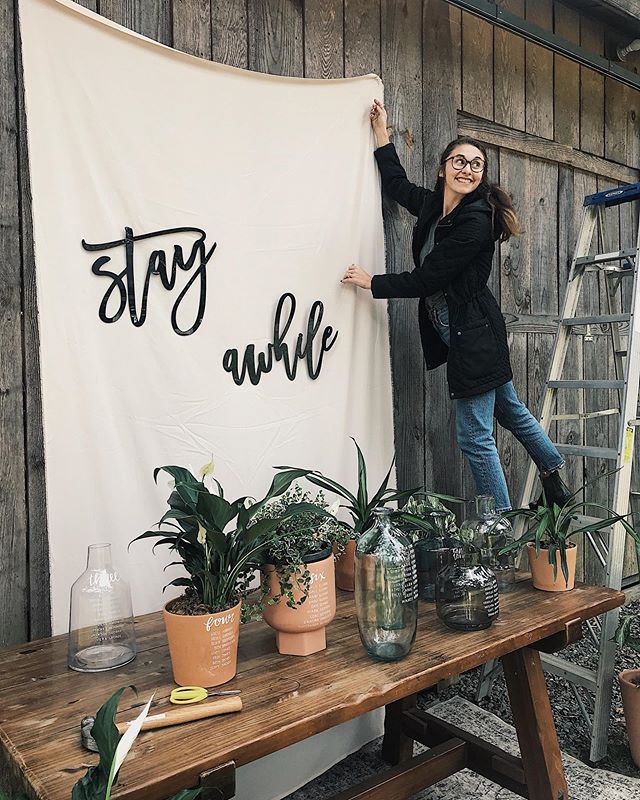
179	474
362	479
216	512
94	784
623	633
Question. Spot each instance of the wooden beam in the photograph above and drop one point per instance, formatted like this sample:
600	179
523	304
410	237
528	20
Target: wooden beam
533	721
482	757
545	149
397	747
412	776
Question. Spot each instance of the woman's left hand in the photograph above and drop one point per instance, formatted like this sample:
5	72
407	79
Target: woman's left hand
357	276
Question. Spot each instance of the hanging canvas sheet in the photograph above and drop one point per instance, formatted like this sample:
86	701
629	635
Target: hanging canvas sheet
192	222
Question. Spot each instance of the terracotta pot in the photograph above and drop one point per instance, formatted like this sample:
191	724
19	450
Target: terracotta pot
300	631
542	570
631	702
204	648
346	567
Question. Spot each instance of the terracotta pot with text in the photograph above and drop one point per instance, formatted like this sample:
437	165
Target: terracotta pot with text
203	648
300	631
542	570
346	567
629	680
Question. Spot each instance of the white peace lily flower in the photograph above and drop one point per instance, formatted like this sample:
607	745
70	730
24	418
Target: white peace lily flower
334	508
202	534
207	469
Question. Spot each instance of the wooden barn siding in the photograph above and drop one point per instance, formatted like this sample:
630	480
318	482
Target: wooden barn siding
436	62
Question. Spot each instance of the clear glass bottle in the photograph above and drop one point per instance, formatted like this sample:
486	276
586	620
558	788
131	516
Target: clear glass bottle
428	554
101	634
488	532
466	592
386	589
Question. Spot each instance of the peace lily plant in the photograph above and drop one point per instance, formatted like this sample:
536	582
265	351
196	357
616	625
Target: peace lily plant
221	543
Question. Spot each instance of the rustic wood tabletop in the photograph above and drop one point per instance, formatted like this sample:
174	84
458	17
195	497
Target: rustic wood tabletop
285	698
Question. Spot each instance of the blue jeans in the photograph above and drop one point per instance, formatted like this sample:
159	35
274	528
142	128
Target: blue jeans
474	429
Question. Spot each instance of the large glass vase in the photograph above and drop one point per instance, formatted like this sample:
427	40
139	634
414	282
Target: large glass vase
386	589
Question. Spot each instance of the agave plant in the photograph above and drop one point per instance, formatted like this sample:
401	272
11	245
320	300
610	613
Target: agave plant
550	526
219	542
360	505
624	637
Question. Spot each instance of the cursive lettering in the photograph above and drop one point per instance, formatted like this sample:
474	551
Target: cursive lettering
123	282
278	349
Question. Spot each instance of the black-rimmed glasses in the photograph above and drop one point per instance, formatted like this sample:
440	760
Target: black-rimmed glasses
460	162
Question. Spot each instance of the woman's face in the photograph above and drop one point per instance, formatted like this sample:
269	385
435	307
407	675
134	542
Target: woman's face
459	170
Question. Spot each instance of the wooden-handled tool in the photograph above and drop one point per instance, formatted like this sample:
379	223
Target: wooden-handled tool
225	705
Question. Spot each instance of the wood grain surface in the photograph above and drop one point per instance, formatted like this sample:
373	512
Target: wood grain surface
285	699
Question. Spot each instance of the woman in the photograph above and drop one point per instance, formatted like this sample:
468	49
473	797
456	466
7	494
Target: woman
460	320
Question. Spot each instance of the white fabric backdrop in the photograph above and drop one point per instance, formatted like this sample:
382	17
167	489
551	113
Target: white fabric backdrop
279	173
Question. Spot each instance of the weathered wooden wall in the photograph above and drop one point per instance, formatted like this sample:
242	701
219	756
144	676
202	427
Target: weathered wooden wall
555	131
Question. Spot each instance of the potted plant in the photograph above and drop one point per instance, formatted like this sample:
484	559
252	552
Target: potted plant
221	544
629	680
299	578
547	539
360	507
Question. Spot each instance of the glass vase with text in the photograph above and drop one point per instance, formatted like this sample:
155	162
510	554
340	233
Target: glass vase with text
488	532
386	589
101	634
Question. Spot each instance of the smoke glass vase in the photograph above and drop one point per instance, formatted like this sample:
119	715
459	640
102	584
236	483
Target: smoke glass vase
101	634
429	554
386	589
488	532
467	593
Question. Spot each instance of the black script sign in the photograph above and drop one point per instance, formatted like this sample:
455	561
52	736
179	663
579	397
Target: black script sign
278	350
123	282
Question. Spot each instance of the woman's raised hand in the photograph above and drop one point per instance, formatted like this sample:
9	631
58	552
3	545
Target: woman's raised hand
357	276
378	117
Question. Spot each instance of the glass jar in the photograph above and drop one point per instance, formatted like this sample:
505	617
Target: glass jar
101	634
488	532
428	554
466	592
386	589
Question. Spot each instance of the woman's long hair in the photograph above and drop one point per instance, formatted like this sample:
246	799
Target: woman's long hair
505	219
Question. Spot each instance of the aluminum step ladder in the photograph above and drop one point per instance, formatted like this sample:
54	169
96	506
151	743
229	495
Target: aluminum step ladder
615	268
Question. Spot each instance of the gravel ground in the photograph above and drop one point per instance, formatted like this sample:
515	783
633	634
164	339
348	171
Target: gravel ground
573	734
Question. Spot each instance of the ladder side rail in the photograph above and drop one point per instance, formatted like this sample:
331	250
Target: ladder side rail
561	345
617	539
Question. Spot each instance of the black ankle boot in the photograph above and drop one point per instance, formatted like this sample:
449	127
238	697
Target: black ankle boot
555	489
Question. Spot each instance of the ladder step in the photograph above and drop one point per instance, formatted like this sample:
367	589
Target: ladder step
607	412
586	451
604	258
585	384
572	672
597	320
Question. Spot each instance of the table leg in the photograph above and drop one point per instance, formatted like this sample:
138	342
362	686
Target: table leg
536	731
396	745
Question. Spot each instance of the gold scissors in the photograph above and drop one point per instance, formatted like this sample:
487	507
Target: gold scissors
183	695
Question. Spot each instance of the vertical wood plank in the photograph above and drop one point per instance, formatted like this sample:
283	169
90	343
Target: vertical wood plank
14	590
541	236
323	39
151	18
591	91
402	75
361	37
191	25
477	66
566	109
229	36
515	299
539	73
509	92
276	37
441	101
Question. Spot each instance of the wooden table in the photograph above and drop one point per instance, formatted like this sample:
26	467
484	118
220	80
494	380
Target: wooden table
287	699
